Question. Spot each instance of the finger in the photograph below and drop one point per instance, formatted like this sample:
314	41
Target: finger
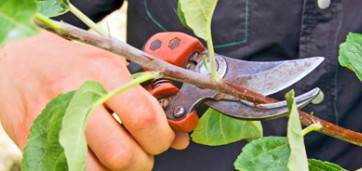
113	146
144	118
181	141
92	162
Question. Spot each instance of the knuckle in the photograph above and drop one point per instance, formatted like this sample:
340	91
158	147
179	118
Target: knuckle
118	160
56	85
148	113
60	84
147	121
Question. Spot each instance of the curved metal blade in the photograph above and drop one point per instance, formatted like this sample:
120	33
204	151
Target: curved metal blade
269	77
263	77
247	111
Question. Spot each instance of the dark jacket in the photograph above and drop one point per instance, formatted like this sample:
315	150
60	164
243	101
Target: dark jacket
263	31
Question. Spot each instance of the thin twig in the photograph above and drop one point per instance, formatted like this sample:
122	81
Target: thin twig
86	20
180	74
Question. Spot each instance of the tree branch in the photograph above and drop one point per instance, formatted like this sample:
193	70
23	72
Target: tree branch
180	74
154	64
327	127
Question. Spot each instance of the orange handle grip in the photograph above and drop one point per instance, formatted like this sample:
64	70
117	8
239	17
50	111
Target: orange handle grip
175	48
187	124
162	90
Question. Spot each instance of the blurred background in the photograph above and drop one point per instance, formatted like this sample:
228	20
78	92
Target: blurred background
10	155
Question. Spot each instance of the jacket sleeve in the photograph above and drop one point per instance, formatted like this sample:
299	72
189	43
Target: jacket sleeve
94	9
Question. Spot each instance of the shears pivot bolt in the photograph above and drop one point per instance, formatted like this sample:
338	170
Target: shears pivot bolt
164	102
179	112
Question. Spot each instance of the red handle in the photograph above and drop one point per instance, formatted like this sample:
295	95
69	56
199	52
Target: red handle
162	89
174	48
187	124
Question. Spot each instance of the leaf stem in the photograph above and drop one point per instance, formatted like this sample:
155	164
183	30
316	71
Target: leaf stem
205	63
86	20
210	47
47	21
312	127
145	77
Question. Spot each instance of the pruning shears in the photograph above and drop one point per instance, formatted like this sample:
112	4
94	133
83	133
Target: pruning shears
264	77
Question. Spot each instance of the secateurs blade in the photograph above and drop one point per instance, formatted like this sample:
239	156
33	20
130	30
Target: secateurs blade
264	77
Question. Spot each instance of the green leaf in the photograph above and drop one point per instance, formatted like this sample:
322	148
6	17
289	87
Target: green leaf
298	156
43	151
72	137
350	54
181	15
198	14
317	165
52	8
15	19
268	153
66	2
214	128
272	153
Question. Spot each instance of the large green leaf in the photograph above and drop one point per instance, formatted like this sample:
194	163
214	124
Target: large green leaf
72	136
181	15
317	165
298	156
15	19
43	151
272	153
198	15
52	8
215	128
268	153
350	53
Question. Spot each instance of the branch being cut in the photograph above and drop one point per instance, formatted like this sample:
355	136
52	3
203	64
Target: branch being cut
154	64
176	73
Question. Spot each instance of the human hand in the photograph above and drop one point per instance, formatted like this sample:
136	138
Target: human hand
35	70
